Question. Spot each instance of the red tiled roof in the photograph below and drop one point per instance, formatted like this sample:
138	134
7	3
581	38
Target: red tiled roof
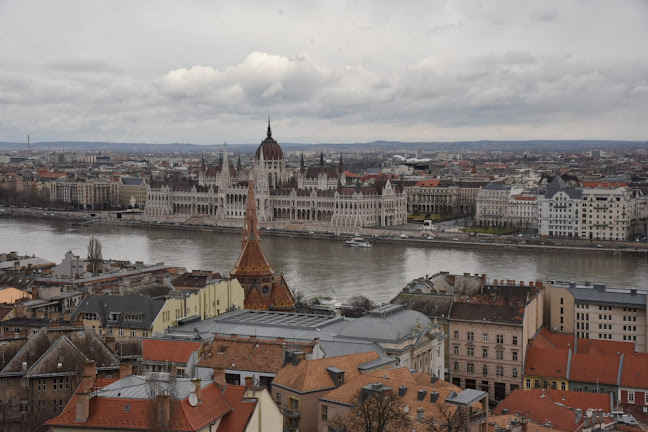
547	362
635	371
590	367
595	184
548	339
540	405
311	375
428	183
109	412
608	347
249	354
243	410
174	351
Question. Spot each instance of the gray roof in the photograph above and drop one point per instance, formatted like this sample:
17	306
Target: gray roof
497	186
145	307
388	323
44	350
558	185
376	363
337	335
132	181
143	387
609	296
466	397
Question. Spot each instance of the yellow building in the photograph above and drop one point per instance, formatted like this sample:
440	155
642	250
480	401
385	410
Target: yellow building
214	299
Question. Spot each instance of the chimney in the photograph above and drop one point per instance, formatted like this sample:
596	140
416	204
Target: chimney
402	390
125	369
82	407
164	409
297	357
421	394
578	415
434	395
110	343
434	379
249	382
419	415
219	377
196	382
89	375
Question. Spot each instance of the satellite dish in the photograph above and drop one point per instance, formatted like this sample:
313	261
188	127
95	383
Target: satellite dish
192	387
193	399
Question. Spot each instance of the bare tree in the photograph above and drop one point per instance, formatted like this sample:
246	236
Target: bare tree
380	411
299	296
361	302
95	259
448	419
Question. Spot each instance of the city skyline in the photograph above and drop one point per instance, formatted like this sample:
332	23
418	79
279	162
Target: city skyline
339	73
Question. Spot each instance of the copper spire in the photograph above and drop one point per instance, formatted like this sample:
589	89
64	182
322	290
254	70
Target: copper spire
252	262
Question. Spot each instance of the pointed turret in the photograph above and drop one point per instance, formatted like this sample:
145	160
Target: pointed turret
321	158
239	167
269	129
302	167
252	263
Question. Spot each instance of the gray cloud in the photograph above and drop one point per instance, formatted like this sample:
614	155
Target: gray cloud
329	72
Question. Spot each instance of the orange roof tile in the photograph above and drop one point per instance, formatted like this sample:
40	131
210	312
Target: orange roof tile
548	339
110	413
428	183
243	410
590	367
311	375
174	351
540	405
635	370
608	347
547	362
251	354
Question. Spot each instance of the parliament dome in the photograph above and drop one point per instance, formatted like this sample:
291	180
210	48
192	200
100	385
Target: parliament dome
270	149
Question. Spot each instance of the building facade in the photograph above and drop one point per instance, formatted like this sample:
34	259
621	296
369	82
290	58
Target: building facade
317	195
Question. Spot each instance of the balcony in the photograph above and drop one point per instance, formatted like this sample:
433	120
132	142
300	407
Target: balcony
290	413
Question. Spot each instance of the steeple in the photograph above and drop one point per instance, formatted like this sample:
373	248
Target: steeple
238	163
302	168
321	158
269	129
252	262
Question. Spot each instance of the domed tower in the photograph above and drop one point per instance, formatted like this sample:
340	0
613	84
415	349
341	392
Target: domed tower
270	162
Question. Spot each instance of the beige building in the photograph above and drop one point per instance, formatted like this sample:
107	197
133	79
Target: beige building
611	214
437	196
595	311
488	336
132	189
85	195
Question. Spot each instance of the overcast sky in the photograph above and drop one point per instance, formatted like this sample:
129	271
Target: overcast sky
206	72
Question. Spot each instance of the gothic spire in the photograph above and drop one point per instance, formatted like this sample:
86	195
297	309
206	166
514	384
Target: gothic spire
269	129
322	158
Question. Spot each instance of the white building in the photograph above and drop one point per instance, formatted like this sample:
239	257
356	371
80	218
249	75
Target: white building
559	210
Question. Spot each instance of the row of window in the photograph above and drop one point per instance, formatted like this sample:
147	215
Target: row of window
499	353
470	368
470	336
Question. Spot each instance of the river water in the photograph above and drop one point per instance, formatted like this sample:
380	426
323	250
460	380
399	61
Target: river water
318	267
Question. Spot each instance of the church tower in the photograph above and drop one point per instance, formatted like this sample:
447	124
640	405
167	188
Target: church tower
263	291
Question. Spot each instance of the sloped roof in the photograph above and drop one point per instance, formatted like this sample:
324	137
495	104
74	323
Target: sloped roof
547	362
132	181
606	347
242	410
504	314
386	323
147	308
311	375
251	354
548	339
592	367
42	351
110	412
635	371
431	305
540	405
171	350
8	349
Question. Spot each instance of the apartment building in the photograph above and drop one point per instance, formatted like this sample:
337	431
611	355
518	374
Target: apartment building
610	214
489	336
598	312
559	210
443	196
492	204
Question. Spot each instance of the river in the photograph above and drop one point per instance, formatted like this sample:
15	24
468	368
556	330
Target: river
316	266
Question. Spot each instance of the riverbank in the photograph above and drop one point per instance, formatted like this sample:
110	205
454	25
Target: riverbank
407	235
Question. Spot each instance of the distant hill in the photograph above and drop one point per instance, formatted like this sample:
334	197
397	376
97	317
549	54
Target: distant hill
515	146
